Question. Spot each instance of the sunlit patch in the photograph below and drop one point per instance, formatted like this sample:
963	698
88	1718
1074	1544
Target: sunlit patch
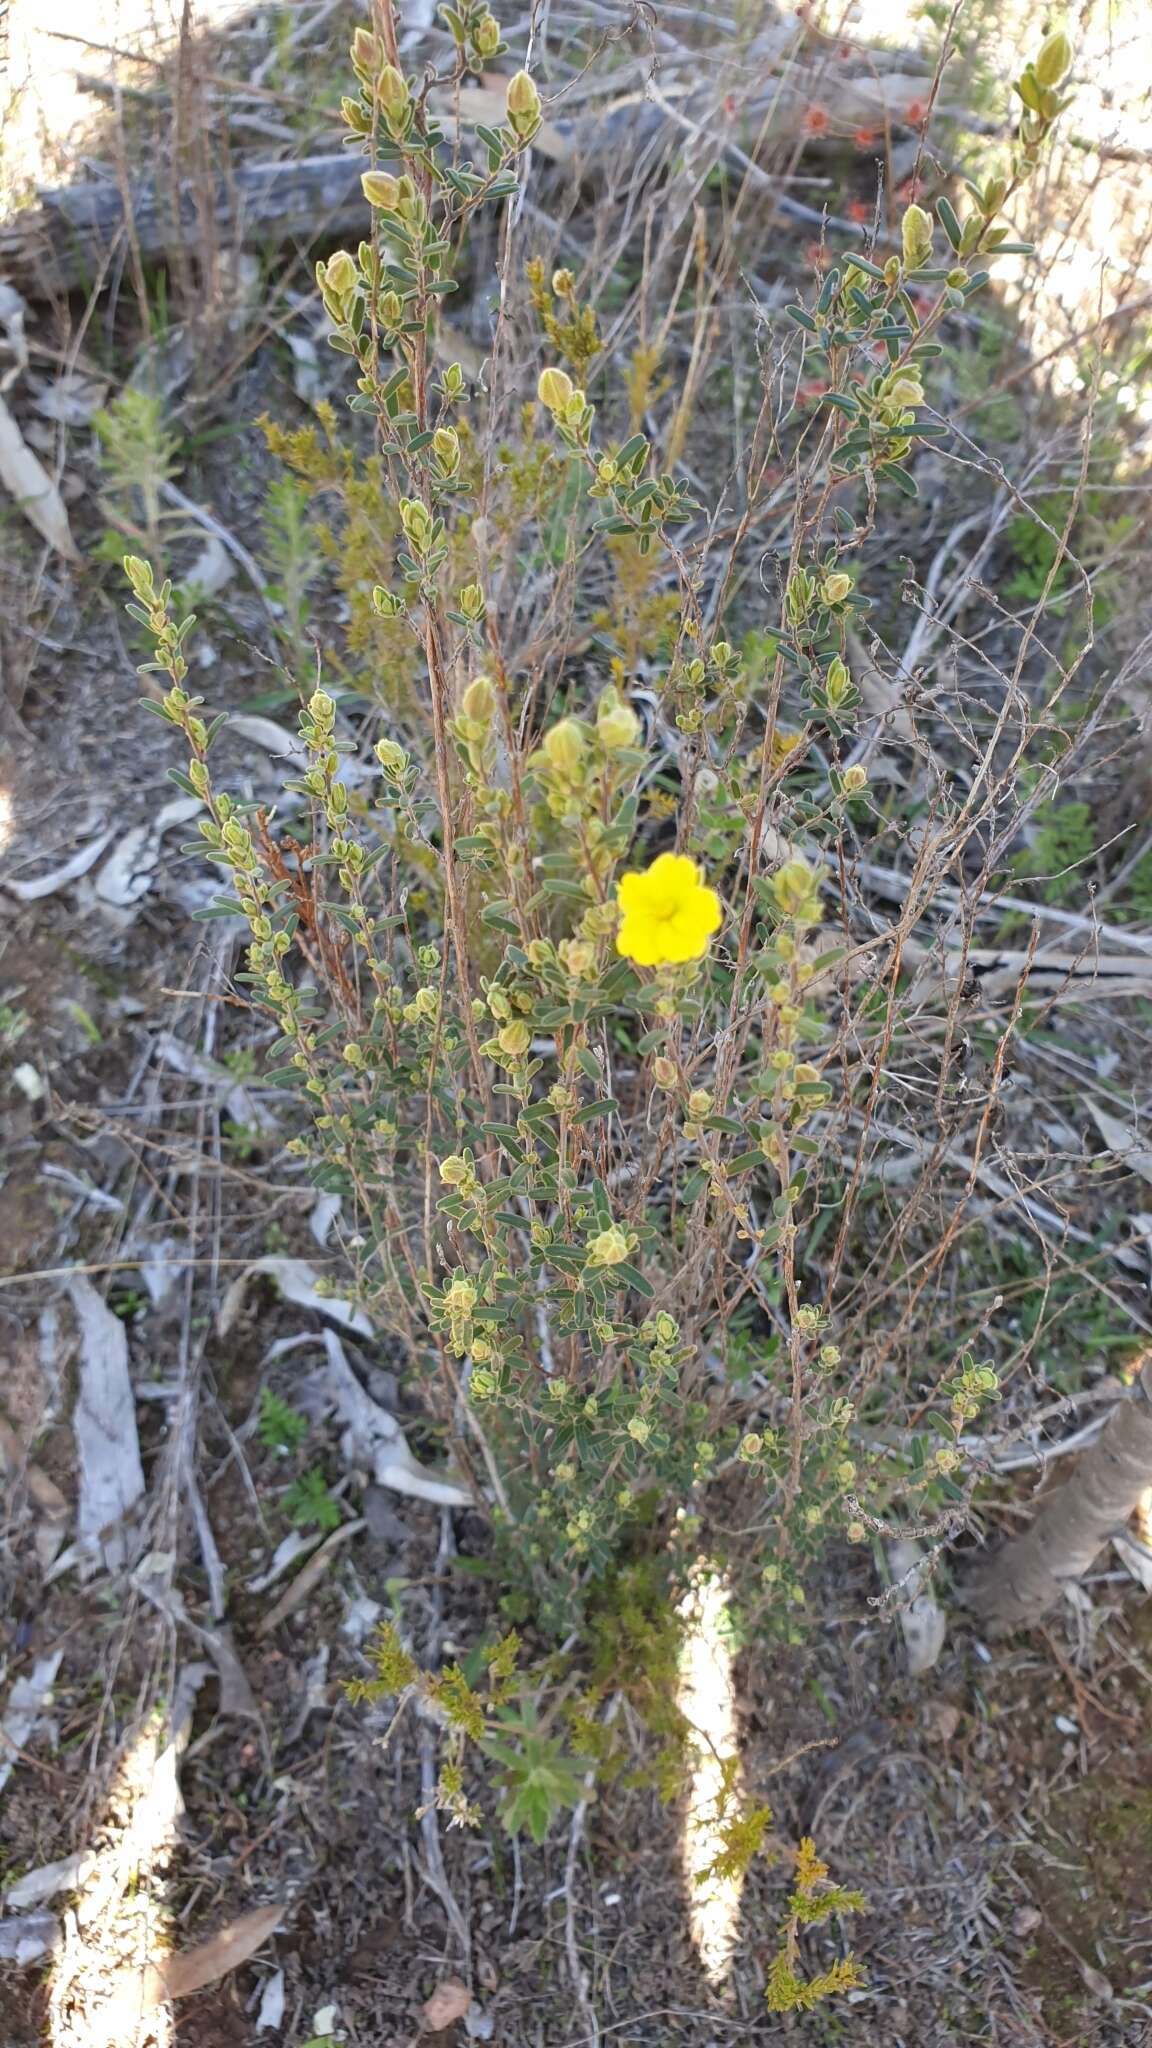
706	1697
103	1991
46	111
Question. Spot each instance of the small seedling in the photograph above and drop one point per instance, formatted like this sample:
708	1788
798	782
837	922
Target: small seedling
308	1503
279	1426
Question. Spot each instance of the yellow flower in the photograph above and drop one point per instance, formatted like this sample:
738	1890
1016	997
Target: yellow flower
669	912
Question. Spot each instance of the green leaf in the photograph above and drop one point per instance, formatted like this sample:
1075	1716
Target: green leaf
949	222
634	1279
902	480
592	1110
309	1505
540	1782
279	1426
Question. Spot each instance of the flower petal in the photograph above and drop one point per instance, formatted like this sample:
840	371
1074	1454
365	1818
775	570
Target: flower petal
638	939
631	890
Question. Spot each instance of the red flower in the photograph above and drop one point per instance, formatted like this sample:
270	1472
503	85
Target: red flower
816	121
914	113
857	210
864	138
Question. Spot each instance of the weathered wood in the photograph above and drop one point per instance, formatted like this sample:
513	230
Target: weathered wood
1073	1522
76	232
74	236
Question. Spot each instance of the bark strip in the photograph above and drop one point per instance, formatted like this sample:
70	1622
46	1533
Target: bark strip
1074	1521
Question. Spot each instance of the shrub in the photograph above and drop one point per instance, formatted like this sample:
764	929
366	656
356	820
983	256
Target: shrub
564	973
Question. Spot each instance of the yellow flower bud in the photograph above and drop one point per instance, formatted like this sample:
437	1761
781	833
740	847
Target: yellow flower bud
321	707
446	449
391	757
835	588
916	237
392	93
554	389
486	36
514	1038
522	104
617	725
904	390
664	1072
565	747
1054	59
795	892
380	189
699	1102
837	682
479	700
340	273
455	1170
608	1247
563	283
854	779
417	523
367	53
578	955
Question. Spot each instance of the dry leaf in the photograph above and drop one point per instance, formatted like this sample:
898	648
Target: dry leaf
275	739
449	2002
25	478
296	1280
179	1975
304	1581
1096	1982
50	1878
26	1703
271	2013
56	878
27	1940
104	1425
486	104
921	1618
1122	1142
72	399
375	1439
126	876
43	1492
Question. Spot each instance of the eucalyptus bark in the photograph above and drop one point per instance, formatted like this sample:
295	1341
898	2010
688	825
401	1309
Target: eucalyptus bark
1074	1521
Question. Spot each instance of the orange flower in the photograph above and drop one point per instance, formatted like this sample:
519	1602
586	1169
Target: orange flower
816	121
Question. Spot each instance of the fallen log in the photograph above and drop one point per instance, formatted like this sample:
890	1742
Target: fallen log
74	235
